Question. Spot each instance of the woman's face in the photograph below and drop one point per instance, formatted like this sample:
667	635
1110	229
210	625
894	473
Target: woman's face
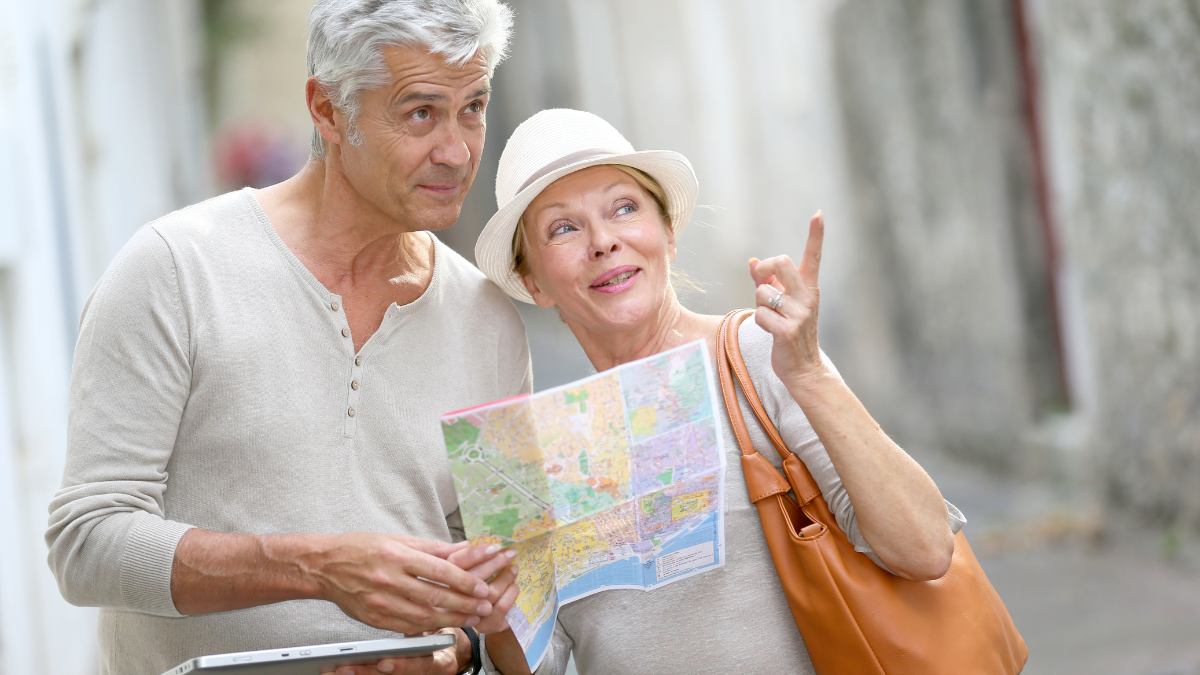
598	250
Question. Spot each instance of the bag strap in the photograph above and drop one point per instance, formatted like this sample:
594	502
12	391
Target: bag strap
730	365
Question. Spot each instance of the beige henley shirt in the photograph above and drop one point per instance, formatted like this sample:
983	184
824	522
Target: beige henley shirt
215	385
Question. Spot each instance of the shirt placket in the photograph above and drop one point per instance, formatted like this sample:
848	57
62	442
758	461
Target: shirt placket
350	412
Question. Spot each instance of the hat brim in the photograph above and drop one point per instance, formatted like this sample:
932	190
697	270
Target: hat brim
493	250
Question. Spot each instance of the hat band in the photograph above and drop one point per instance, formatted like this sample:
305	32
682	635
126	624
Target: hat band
573	158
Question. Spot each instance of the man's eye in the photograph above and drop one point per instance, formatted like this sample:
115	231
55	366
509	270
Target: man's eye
421	114
475	107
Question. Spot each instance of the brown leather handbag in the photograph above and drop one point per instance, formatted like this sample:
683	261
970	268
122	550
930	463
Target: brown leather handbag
856	618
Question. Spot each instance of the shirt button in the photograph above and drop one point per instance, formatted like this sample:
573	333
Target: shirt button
354	385
334	306
350	412
345	332
358	360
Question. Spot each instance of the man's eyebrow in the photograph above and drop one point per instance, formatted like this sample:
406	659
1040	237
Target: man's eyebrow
432	96
420	96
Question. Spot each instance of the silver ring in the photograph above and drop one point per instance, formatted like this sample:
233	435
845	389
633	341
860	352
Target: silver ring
776	302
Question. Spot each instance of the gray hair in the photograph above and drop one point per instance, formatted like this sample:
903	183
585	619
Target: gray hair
346	39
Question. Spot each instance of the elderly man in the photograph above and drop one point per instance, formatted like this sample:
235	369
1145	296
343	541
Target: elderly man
254	454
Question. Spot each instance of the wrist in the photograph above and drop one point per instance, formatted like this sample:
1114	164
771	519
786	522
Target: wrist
297	558
809	384
466	650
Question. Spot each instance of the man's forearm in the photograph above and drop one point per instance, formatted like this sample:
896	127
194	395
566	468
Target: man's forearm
216	572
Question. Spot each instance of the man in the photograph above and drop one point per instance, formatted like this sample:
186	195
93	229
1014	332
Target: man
254	458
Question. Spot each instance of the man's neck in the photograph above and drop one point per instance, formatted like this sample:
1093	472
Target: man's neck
343	240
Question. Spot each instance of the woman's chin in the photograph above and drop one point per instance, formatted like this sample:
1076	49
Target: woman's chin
621	312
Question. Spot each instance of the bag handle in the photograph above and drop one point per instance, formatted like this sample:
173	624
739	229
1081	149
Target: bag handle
732	351
730	364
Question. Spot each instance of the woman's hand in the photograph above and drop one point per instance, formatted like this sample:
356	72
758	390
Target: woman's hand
788	298
899	509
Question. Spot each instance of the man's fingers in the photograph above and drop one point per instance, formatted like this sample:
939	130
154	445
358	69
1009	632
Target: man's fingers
444	572
488	568
439	663
429	594
402	615
440	549
411	665
474	555
810	264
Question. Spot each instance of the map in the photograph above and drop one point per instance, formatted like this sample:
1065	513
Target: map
613	481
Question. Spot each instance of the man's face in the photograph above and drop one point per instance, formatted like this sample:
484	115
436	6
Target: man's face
422	137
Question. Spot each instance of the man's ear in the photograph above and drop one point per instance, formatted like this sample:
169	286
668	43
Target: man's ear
539	297
322	111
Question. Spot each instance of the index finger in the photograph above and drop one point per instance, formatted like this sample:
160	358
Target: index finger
810	264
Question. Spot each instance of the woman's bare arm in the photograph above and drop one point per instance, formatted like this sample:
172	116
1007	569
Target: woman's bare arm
900	510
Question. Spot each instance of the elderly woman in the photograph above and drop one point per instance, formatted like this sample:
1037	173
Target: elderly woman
588	226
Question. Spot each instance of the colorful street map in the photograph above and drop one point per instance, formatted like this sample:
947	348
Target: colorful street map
613	481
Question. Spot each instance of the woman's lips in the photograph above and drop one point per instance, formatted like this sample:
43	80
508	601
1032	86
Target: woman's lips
627	276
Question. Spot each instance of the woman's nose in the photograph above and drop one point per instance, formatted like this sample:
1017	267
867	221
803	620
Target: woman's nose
604	241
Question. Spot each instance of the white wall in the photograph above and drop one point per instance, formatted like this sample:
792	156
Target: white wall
101	131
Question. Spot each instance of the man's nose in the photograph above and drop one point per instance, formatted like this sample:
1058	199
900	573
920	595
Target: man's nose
451	149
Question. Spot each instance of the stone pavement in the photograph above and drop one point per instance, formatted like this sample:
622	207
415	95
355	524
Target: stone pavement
1091	593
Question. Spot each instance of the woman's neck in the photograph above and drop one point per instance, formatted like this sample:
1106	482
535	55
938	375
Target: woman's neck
671	326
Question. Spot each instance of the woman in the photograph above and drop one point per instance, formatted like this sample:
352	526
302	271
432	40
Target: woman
589	226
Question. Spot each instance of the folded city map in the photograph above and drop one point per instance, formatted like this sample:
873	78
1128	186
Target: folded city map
612	481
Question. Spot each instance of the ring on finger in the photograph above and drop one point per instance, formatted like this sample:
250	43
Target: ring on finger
776	302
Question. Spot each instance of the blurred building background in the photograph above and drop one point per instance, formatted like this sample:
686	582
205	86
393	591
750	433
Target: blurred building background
1011	280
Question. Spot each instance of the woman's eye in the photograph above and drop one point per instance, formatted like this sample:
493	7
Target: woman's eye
562	229
626	208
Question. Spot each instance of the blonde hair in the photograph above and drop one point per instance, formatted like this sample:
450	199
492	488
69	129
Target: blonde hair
520	263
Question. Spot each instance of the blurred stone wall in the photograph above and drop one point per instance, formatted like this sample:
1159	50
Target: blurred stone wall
951	337
1088	361
1122	118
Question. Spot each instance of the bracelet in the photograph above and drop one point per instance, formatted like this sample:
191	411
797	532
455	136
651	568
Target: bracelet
476	657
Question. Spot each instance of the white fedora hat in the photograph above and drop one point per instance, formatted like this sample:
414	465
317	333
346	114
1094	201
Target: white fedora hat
550	145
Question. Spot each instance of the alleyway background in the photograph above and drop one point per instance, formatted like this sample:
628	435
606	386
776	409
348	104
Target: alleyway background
1011	281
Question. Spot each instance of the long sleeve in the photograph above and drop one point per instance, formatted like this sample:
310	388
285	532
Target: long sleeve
110	542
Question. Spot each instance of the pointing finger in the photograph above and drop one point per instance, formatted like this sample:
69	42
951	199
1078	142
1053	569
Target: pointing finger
810	264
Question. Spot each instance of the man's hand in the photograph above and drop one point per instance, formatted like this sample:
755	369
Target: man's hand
502	593
404	584
393	582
